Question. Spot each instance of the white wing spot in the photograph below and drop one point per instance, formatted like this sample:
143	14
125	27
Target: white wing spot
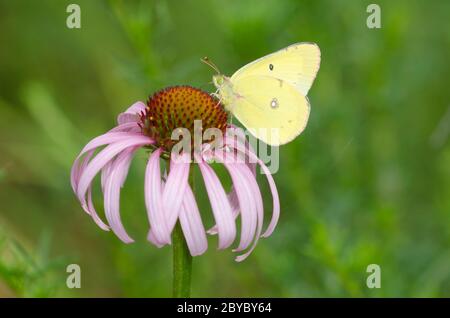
274	103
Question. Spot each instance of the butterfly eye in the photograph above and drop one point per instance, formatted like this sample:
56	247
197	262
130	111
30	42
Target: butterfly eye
271	67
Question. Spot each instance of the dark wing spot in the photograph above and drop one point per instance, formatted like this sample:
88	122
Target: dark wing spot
271	67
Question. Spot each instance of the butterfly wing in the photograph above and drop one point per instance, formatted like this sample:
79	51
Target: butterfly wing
296	64
271	109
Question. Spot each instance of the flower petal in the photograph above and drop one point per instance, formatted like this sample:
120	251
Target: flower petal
176	184
105	172
234	203
109	138
253	186
132	127
116	177
219	203
153	200
78	168
102	140
276	200
102	159
235	135
246	203
91	211
192	225
152	239
131	114
238	136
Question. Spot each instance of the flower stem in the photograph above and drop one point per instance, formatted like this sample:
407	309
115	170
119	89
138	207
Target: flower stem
182	259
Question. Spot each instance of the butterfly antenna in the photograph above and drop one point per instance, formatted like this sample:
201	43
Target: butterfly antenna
208	62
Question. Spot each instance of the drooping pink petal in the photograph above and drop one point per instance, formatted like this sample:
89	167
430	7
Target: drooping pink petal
102	158
246	203
276	201
78	168
192	225
151	235
234	203
152	239
90	209
153	200
132	127
88	150
176	184
106	170
131	114
109	138
220	205
253	186
136	107
115	179
236	135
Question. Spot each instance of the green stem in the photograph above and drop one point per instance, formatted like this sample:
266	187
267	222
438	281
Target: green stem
182	259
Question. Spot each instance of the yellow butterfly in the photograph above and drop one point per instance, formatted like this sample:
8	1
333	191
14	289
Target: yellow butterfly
268	96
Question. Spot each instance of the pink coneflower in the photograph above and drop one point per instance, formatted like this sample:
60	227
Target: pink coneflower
169	197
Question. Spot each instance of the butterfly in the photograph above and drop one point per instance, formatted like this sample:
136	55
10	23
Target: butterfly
268	95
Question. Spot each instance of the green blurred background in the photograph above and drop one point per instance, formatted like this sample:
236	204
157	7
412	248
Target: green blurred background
367	182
